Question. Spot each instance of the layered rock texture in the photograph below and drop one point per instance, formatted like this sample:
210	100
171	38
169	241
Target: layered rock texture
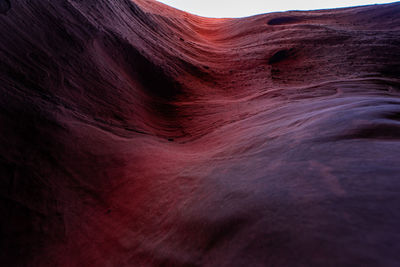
134	134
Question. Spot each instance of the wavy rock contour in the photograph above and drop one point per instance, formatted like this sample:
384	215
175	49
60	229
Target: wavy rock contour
134	134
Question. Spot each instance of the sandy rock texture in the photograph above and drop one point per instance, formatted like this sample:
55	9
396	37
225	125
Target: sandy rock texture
134	134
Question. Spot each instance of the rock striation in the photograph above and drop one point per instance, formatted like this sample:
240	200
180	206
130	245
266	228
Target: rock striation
134	134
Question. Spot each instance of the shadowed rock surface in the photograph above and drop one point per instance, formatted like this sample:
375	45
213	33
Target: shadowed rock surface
5	5
134	134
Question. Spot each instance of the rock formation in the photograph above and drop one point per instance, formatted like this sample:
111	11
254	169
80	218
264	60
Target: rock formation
134	134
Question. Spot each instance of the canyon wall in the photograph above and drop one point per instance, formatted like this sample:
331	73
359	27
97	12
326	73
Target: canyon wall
134	134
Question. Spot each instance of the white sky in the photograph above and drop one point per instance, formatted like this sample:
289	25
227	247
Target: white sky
237	8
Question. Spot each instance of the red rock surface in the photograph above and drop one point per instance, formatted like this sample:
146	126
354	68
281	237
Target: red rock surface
133	134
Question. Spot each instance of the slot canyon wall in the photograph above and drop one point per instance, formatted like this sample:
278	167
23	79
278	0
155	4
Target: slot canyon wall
134	134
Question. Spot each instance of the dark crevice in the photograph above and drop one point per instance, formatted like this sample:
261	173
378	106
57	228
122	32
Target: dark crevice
5	5
380	131
284	20
281	56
